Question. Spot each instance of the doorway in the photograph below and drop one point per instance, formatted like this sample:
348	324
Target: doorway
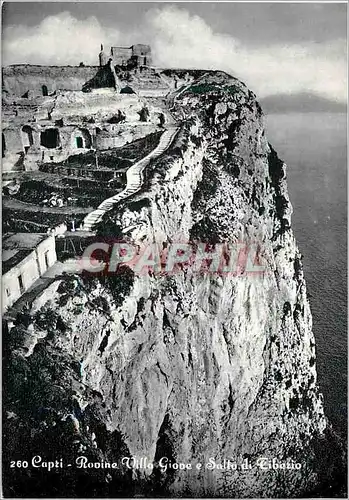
47	262
27	137
50	138
81	139
44	91
21	285
3	143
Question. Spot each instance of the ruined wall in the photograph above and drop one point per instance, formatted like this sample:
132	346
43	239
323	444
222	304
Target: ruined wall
76	117
20	78
121	55
35	145
139	54
68	142
13	140
142	54
12	150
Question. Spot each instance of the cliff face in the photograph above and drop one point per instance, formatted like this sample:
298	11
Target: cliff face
189	366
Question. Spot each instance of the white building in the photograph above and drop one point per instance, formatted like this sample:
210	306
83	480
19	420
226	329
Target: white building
25	257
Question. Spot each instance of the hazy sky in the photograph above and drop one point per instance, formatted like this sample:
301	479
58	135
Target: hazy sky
274	48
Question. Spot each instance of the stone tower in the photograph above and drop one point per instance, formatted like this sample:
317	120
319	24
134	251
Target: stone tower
102	57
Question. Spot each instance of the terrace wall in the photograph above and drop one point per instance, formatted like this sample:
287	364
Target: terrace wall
20	78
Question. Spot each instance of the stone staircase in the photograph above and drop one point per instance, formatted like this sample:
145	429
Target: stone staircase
134	176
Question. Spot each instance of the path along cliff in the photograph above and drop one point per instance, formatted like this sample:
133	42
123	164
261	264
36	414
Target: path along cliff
193	367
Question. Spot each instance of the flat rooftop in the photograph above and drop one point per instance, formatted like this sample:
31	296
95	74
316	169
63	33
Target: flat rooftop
16	246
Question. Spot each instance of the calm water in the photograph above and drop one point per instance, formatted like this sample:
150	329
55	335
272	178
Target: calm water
314	147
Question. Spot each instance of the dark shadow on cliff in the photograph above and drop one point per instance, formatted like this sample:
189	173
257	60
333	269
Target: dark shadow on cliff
103	78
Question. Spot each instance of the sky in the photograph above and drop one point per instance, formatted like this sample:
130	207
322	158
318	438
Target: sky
283	48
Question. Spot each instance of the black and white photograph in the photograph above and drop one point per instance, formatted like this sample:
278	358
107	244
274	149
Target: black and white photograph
174	249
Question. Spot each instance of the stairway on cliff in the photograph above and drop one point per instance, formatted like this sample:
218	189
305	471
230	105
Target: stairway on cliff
134	177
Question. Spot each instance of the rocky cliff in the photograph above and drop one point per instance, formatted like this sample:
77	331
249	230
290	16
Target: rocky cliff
194	367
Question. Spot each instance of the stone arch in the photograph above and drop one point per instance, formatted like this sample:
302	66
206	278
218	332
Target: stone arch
27	137
81	139
44	90
127	90
50	138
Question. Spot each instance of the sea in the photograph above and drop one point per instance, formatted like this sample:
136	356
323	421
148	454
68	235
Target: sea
314	147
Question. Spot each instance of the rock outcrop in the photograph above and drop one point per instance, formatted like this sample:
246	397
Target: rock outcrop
195	367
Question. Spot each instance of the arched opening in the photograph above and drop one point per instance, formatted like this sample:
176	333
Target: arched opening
3	145
127	90
82	139
27	137
50	138
44	91
145	61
